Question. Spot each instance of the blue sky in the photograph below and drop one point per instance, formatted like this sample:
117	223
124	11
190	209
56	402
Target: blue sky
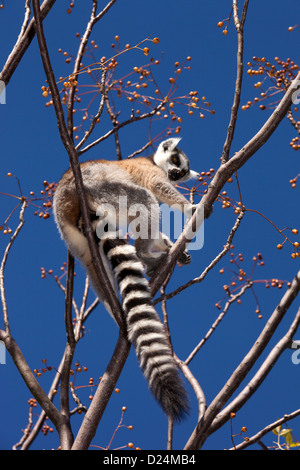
32	150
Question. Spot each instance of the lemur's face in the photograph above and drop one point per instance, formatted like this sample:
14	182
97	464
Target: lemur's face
173	161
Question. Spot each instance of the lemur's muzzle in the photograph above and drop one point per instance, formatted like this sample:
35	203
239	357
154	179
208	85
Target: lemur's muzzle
175	174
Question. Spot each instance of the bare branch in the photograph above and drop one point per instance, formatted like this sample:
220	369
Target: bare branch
239	25
23	42
70	347
93	20
232	299
121	125
2	289
31	381
202	430
99	112
105	388
221	177
195	386
215	261
25	22
108	291
114	121
141	150
252	440
259	377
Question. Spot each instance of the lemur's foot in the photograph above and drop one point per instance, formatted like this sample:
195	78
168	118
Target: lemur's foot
184	258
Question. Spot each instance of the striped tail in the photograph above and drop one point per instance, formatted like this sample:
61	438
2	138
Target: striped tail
145	330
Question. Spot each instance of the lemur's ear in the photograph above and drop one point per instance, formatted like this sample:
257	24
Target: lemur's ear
194	174
169	144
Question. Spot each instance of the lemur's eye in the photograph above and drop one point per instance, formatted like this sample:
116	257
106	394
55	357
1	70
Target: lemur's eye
175	160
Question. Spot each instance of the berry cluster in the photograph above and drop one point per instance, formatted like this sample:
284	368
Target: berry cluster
137	85
240	278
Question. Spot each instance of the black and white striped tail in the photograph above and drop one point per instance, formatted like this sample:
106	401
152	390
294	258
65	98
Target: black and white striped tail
145	330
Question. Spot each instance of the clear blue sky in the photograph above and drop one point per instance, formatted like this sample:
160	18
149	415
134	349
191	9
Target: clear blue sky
31	149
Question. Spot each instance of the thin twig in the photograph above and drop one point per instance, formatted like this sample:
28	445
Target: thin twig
26	431
202	430
62	287
210	266
141	150
260	375
239	25
31	382
256	437
93	20
3	263
120	126
99	112
231	300
114	121
221	177
105	388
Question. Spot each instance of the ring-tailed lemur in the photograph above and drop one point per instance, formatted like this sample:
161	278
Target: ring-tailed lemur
144	182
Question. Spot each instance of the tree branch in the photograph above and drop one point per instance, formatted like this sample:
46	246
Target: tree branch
252	440
221	177
108	291
215	261
30	380
2	267
93	20
202	430
259	377
239	25
105	388
232	299
23	42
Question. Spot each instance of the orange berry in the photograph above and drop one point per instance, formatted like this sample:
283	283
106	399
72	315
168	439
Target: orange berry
225	32
220	24
279	246
155	40
146	51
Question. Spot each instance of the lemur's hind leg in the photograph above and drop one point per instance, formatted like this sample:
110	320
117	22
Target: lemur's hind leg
159	249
